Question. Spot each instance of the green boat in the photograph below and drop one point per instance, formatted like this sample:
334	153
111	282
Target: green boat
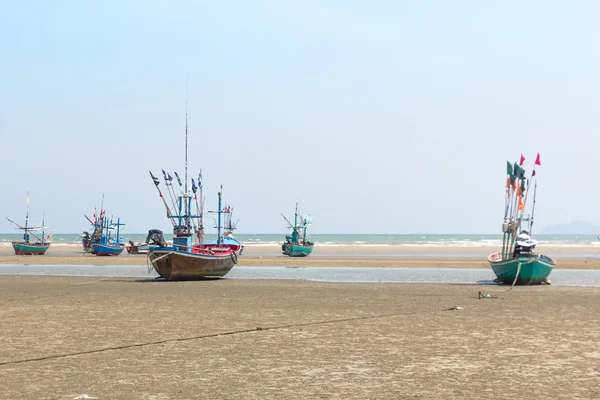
296	244
27	247
517	263
30	249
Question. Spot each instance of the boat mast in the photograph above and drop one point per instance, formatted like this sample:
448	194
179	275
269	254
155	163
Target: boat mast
533	207
26	233
187	200
43	228
219	218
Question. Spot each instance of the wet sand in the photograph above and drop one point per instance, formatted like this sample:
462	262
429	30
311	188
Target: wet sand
347	256
257	339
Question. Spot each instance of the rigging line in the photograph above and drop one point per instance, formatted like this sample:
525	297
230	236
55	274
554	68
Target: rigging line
207	336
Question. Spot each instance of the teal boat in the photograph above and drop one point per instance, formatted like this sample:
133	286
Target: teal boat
296	244
27	246
517	263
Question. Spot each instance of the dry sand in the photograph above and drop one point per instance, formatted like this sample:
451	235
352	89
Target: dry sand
347	256
248	339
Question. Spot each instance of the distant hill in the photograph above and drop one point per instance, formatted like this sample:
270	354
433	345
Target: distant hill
573	228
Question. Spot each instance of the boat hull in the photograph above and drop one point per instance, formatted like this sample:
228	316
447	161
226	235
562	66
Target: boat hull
139	249
30	249
106	250
233	244
174	265
296	250
534	270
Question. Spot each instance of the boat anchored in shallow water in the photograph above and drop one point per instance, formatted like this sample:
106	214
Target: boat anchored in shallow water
296	244
27	247
517	263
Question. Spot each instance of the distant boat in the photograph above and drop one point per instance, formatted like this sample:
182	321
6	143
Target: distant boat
88	239
153	240
27	247
296	244
137	248
186	259
517	263
109	246
228	240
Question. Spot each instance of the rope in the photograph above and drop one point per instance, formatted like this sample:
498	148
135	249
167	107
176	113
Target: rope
150	263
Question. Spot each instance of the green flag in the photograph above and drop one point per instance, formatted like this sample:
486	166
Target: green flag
509	168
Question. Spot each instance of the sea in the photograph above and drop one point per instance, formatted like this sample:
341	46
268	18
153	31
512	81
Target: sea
358	240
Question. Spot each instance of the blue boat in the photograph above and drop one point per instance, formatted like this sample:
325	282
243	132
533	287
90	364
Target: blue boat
108	245
517	263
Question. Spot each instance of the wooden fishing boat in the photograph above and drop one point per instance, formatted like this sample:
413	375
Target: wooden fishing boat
137	248
527	269
108	245
296	244
88	239
153	240
517	263
228	240
186	259
27	247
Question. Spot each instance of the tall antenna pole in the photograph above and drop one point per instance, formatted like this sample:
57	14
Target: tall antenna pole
26	233
219	217
101	208
186	136
187	203
533	208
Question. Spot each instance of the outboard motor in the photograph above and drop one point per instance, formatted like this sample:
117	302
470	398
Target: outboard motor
156	236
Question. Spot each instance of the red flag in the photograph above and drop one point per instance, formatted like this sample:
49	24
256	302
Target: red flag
537	160
533	173
522	160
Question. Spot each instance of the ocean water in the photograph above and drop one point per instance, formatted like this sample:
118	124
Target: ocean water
359	240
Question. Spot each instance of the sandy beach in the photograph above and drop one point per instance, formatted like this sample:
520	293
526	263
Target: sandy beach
343	256
253	339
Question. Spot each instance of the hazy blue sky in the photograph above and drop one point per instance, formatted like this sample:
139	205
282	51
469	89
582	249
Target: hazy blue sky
379	116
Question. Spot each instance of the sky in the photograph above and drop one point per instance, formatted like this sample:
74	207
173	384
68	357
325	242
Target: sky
377	117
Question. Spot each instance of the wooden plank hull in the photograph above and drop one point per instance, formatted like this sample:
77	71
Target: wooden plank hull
534	270
106	250
30	249
297	250
176	265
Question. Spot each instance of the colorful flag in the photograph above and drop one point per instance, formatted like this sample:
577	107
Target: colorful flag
509	168
521	204
537	160
154	179
522	160
178	179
